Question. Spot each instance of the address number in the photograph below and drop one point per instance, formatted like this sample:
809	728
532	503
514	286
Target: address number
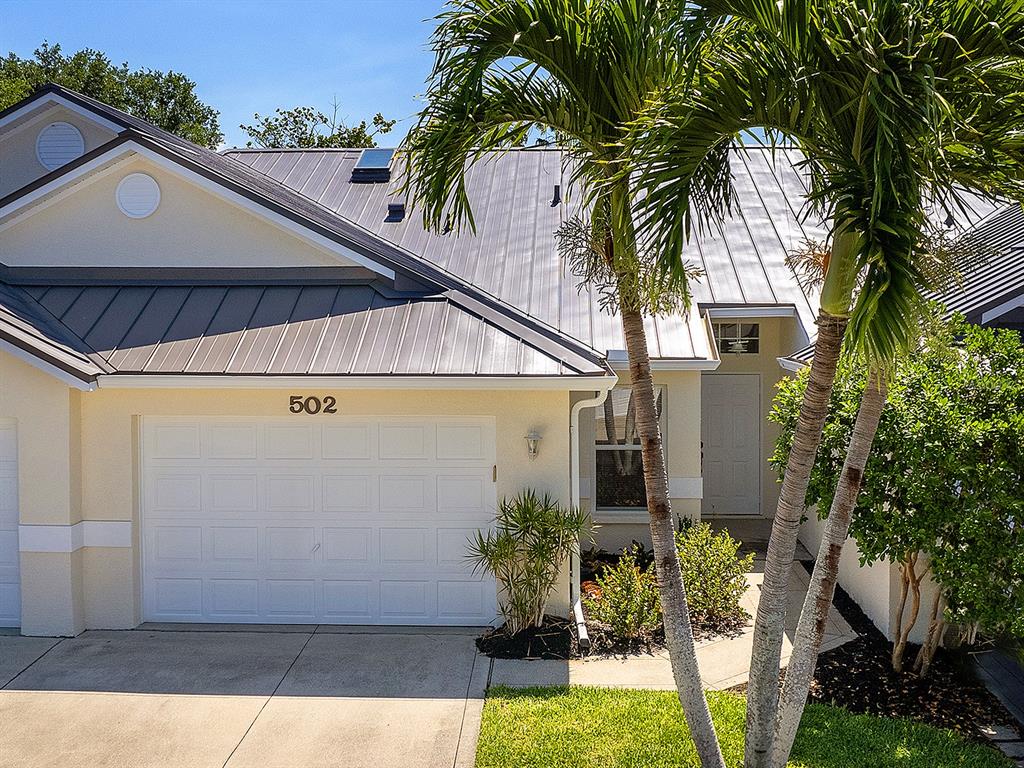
312	405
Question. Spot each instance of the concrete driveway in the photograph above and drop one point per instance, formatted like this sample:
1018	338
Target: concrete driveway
282	696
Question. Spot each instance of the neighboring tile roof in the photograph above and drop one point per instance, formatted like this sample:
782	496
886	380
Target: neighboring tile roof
288	330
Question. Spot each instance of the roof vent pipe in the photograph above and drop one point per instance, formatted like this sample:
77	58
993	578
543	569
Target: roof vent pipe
396	212
558	195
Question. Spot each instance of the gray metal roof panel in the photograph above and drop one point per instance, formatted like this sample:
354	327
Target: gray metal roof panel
284	330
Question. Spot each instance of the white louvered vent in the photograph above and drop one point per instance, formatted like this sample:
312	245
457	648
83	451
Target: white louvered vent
59	144
138	195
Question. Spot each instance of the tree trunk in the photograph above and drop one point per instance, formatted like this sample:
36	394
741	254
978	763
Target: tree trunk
678	632
818	602
763	688
933	639
913	581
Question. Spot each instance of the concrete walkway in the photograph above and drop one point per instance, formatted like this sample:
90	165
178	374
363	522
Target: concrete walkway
238	697
724	661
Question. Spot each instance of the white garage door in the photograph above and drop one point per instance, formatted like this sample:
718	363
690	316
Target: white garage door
326	519
10	585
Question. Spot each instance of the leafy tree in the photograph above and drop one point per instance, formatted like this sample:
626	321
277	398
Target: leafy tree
891	103
308	127
166	99
942	491
583	70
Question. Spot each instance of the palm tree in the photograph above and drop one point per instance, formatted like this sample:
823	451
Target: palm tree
892	103
584	70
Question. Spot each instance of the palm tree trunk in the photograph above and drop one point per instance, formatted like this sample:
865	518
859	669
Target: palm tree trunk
763	688
818	602
678	631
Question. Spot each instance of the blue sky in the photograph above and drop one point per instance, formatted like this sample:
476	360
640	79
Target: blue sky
246	57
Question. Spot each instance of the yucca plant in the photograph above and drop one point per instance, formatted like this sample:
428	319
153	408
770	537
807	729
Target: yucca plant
533	536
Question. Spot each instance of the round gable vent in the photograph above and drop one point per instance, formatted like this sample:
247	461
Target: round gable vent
58	144
138	195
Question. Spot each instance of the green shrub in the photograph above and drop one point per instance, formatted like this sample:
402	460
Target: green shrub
628	602
533	535
714	576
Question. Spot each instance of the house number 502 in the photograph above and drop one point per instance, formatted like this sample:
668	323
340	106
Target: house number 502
312	405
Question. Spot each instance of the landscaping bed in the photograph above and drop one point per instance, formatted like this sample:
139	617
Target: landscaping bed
859	677
607	728
554	639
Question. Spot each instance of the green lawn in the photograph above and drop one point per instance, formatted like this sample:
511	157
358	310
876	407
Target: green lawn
600	728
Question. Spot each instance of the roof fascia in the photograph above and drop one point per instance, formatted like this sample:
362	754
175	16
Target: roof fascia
38	360
999	310
750	312
200	381
48	96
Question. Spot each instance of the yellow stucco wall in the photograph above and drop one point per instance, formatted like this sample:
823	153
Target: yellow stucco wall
20	165
190	228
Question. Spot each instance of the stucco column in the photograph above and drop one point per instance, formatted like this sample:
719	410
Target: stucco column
46	412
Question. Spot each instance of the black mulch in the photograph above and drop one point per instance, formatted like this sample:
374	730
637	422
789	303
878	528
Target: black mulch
554	639
859	677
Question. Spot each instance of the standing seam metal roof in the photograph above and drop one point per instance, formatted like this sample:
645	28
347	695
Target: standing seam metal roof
284	330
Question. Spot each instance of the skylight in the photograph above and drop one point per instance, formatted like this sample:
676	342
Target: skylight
373	165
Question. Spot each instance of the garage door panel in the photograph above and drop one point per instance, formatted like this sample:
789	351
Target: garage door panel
290	545
371	529
233	546
349	601
348	493
234	599
231	492
349	547
459	599
406	493
231	441
10	579
176	491
349	441
407	600
290	493
289	441
290	599
461	442
178	597
176	544
175	441
405	441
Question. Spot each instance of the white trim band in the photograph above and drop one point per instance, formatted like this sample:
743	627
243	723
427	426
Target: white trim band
686	487
71	538
750	312
1002	309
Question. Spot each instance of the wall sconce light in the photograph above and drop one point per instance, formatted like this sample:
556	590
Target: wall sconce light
532	443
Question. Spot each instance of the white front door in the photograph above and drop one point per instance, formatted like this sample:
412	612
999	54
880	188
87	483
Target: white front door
334	519
10	583
731	438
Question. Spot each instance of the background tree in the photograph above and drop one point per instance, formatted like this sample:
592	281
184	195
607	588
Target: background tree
304	127
166	99
941	495
584	70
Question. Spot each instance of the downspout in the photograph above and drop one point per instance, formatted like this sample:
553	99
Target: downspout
574	486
